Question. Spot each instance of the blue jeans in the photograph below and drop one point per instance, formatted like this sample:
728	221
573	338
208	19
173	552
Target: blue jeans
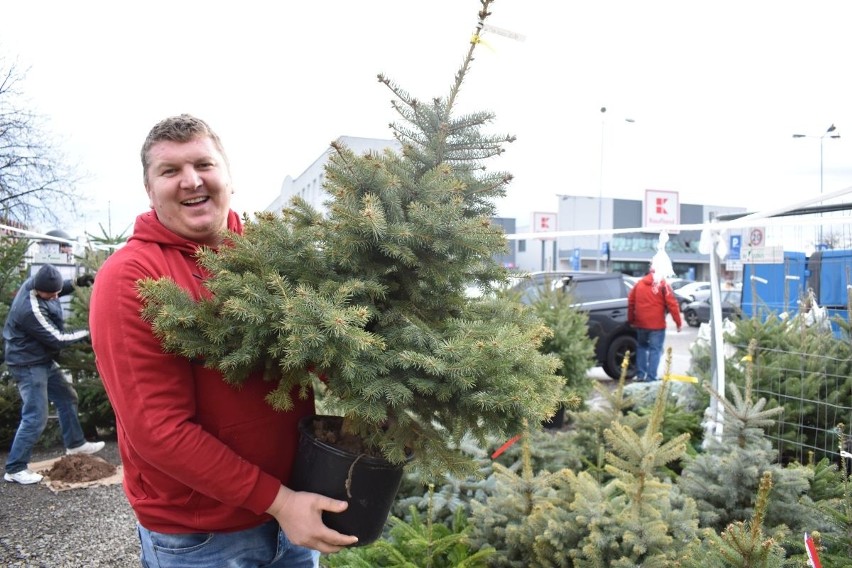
265	546
649	350
39	384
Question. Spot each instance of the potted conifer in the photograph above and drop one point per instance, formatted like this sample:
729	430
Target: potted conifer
371	296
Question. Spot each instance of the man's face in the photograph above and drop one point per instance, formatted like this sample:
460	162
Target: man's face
47	295
189	186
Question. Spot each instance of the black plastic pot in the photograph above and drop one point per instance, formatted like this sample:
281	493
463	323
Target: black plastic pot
367	483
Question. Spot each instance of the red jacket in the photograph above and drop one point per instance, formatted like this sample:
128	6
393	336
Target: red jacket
647	303
198	454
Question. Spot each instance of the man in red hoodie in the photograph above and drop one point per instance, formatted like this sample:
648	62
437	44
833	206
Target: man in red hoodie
647	304
205	465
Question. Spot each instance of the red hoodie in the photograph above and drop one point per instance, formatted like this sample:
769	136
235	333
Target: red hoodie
198	455
647	304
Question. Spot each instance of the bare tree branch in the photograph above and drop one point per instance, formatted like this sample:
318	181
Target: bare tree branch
35	182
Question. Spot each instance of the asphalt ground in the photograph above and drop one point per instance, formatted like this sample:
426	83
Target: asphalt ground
78	528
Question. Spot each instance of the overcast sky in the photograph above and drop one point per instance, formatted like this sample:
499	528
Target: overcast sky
715	90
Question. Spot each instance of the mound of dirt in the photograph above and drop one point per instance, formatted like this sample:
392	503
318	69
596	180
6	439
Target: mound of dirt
80	468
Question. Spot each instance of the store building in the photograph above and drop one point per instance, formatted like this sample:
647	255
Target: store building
309	184
621	235
611	234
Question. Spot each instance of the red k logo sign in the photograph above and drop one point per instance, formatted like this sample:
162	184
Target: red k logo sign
544	223
661	208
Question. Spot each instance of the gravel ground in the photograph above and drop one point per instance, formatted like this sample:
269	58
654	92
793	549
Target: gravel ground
92	527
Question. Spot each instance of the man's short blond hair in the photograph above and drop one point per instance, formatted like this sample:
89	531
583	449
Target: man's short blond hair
180	128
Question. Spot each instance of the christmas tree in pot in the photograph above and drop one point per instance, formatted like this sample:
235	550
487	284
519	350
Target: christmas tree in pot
372	296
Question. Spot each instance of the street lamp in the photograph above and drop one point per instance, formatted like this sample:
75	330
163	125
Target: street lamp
600	188
830	132
600	194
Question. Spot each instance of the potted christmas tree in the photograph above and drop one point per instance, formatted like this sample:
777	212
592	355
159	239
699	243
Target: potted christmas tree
371	298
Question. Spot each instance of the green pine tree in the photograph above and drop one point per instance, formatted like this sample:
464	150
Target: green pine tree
418	542
443	498
587	434
646	520
570	340
808	362
634	517
507	519
724	478
831	489
373	295
742	544
12	275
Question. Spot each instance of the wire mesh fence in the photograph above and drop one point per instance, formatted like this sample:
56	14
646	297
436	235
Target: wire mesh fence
798	285
817	400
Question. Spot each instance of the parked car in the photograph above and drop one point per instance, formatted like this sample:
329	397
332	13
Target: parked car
691	292
698	312
678	283
674	283
603	296
531	285
631	281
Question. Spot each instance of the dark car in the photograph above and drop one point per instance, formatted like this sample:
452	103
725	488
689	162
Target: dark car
698	312
603	296
691	292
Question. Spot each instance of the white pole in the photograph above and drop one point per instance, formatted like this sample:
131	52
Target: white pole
717	347
600	195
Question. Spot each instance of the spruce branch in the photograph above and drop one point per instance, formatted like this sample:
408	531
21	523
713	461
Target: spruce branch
744	418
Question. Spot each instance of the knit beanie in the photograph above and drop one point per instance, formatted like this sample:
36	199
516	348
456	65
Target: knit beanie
48	279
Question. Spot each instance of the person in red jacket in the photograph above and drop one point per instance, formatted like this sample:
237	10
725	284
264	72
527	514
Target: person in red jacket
647	304
205	464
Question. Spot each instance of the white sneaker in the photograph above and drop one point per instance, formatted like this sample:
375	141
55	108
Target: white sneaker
24	477
87	448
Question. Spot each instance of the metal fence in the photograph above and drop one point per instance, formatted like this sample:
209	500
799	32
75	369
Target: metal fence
812	285
810	424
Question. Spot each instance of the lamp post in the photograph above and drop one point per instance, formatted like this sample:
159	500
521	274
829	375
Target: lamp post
830	132
600	188
600	193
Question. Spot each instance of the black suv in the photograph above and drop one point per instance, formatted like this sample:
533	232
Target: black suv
603	296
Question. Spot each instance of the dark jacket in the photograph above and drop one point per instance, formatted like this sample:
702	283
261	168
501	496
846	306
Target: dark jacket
35	331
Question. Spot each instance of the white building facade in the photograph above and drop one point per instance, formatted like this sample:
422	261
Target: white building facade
309	184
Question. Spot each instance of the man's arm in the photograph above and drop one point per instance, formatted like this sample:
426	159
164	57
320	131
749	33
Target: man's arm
82	281
40	327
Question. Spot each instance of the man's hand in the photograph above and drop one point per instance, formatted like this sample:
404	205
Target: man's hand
299	514
85	280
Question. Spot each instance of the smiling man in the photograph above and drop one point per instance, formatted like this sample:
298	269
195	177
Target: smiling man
205	465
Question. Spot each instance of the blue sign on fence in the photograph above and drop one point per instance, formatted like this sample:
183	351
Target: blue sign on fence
735	247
